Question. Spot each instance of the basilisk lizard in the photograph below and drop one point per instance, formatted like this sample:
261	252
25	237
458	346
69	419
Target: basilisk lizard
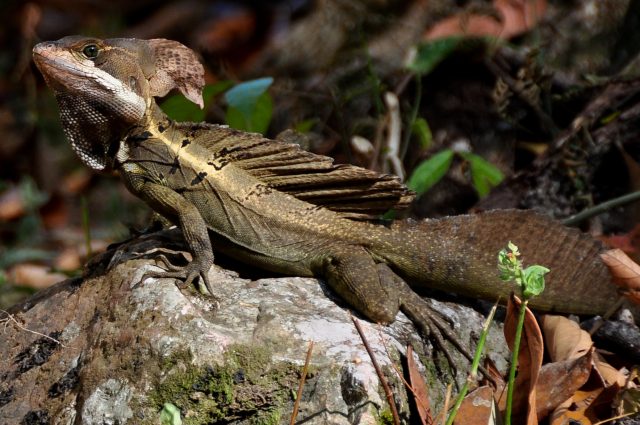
274	205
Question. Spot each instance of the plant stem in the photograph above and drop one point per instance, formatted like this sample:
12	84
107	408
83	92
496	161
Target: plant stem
474	365
85	225
600	208
514	361
412	118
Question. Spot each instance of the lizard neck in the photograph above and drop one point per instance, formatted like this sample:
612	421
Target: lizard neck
92	128
154	121
154	125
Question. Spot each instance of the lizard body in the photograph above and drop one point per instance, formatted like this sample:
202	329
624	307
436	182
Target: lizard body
271	204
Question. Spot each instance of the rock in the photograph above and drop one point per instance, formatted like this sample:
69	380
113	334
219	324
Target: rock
113	349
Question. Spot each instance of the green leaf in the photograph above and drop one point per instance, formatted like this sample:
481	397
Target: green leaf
179	108
20	255
430	171
257	121
250	105
390	215
421	128
31	195
170	415
431	53
534	280
244	96
484	175
305	126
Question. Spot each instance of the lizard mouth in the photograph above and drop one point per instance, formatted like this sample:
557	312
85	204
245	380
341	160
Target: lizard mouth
57	66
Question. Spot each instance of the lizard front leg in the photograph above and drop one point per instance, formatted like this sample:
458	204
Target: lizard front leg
171	204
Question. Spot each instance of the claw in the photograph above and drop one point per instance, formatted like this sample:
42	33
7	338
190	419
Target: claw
171	267
431	323
198	268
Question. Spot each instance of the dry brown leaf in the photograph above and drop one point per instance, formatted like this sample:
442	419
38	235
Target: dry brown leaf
609	374
564	338
76	182
558	382
55	213
577	410
625	272
68	260
420	391
477	408
11	204
490	366
228	31
626	241
516	17
529	361
34	276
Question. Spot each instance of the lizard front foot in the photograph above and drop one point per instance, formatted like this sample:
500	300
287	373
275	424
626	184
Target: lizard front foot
198	268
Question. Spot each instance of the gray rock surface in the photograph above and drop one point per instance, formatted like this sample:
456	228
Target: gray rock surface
117	349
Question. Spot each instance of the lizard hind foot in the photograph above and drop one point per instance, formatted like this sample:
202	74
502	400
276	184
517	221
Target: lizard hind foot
429	322
433	324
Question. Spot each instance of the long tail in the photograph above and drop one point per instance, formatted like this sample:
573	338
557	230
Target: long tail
459	254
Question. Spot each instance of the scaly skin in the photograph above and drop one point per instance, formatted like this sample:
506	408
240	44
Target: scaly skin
272	205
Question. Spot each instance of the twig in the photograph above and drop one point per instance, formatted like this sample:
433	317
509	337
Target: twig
296	405
393	134
615	418
12	319
445	405
383	380
600	208
393	365
601	321
374	163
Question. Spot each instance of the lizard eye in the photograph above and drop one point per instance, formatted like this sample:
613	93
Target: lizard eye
90	51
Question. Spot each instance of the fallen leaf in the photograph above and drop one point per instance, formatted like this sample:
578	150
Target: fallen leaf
11	204
625	242
490	366
567	342
76	182
558	381
68	260
419	389
529	361
514	17
625	272
234	28
609	374
577	410
564	338
477	408
55	213
33	276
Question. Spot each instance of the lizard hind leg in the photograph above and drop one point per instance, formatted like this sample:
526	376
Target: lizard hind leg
378	293
429	322
353	275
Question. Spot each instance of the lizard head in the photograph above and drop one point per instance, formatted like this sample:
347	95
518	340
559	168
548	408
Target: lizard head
104	87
